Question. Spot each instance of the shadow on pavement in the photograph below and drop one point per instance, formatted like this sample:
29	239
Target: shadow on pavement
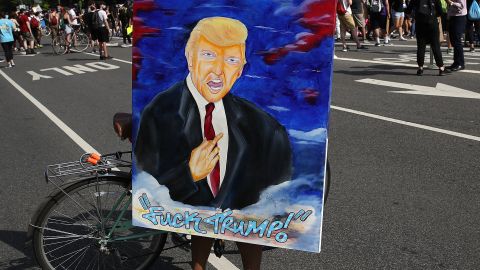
16	240
378	70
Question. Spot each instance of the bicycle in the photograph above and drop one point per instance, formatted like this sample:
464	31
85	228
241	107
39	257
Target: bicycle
79	41
86	223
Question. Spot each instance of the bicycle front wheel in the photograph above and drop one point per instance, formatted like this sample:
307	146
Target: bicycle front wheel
59	45
81	41
88	225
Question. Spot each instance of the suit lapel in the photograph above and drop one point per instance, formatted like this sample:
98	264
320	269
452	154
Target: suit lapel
188	111
236	149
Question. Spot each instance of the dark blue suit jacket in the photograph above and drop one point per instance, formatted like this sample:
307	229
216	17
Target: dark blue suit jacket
259	153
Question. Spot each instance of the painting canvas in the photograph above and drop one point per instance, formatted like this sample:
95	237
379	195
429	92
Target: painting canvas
230	108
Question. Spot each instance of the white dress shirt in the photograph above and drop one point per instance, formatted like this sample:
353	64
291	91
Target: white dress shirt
219	122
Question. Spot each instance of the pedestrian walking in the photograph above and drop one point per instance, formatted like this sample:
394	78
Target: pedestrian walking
26	32
427	15
17	39
379	15
102	30
6	38
471	25
457	13
36	30
398	8
88	18
358	17
347	23
54	22
125	17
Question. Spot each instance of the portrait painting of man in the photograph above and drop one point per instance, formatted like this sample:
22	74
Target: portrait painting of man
208	146
230	119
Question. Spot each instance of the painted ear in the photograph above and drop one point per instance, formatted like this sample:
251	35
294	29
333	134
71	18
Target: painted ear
189	57
240	72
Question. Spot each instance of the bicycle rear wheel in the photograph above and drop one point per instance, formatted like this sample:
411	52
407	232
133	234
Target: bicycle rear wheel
81	41
59	45
72	230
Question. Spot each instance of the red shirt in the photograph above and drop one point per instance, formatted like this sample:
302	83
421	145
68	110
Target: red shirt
22	20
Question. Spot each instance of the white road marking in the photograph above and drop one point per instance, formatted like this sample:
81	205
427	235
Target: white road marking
395	64
70	133
221	263
442	90
115	59
411	124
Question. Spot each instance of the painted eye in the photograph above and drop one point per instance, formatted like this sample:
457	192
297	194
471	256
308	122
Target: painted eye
208	54
233	60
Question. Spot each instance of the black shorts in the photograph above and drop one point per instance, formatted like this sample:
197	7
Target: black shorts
378	20
93	34
102	34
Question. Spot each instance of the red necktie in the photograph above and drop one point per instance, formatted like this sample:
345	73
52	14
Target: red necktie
210	135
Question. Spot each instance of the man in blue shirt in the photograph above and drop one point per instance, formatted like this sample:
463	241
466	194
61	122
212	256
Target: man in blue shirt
6	38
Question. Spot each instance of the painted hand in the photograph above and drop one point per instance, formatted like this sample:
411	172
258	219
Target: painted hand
204	157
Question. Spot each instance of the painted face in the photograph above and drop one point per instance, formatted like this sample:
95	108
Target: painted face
215	68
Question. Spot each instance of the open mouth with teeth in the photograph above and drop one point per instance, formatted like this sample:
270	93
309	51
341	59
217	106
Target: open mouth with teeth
215	85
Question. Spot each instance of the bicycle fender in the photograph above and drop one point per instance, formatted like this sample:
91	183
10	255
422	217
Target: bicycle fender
48	198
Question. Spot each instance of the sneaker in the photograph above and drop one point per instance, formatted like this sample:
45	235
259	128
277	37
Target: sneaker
472	50
12	63
403	39
444	72
420	72
377	44
456	68
345	49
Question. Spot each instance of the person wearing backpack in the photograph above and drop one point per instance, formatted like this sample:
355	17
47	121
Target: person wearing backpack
457	13
472	24
54	22
379	13
89	16
347	23
37	33
26	32
427	14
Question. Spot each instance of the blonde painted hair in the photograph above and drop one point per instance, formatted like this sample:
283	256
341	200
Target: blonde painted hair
220	31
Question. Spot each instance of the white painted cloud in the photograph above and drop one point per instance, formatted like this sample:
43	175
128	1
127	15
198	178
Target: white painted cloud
317	135
278	108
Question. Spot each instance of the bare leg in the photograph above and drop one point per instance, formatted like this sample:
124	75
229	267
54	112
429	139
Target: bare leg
251	255
201	247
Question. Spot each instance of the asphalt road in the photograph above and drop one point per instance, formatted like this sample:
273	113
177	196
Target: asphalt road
405	167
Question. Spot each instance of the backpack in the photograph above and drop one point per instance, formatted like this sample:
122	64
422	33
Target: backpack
96	20
53	20
34	22
474	11
340	8
375	6
426	8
